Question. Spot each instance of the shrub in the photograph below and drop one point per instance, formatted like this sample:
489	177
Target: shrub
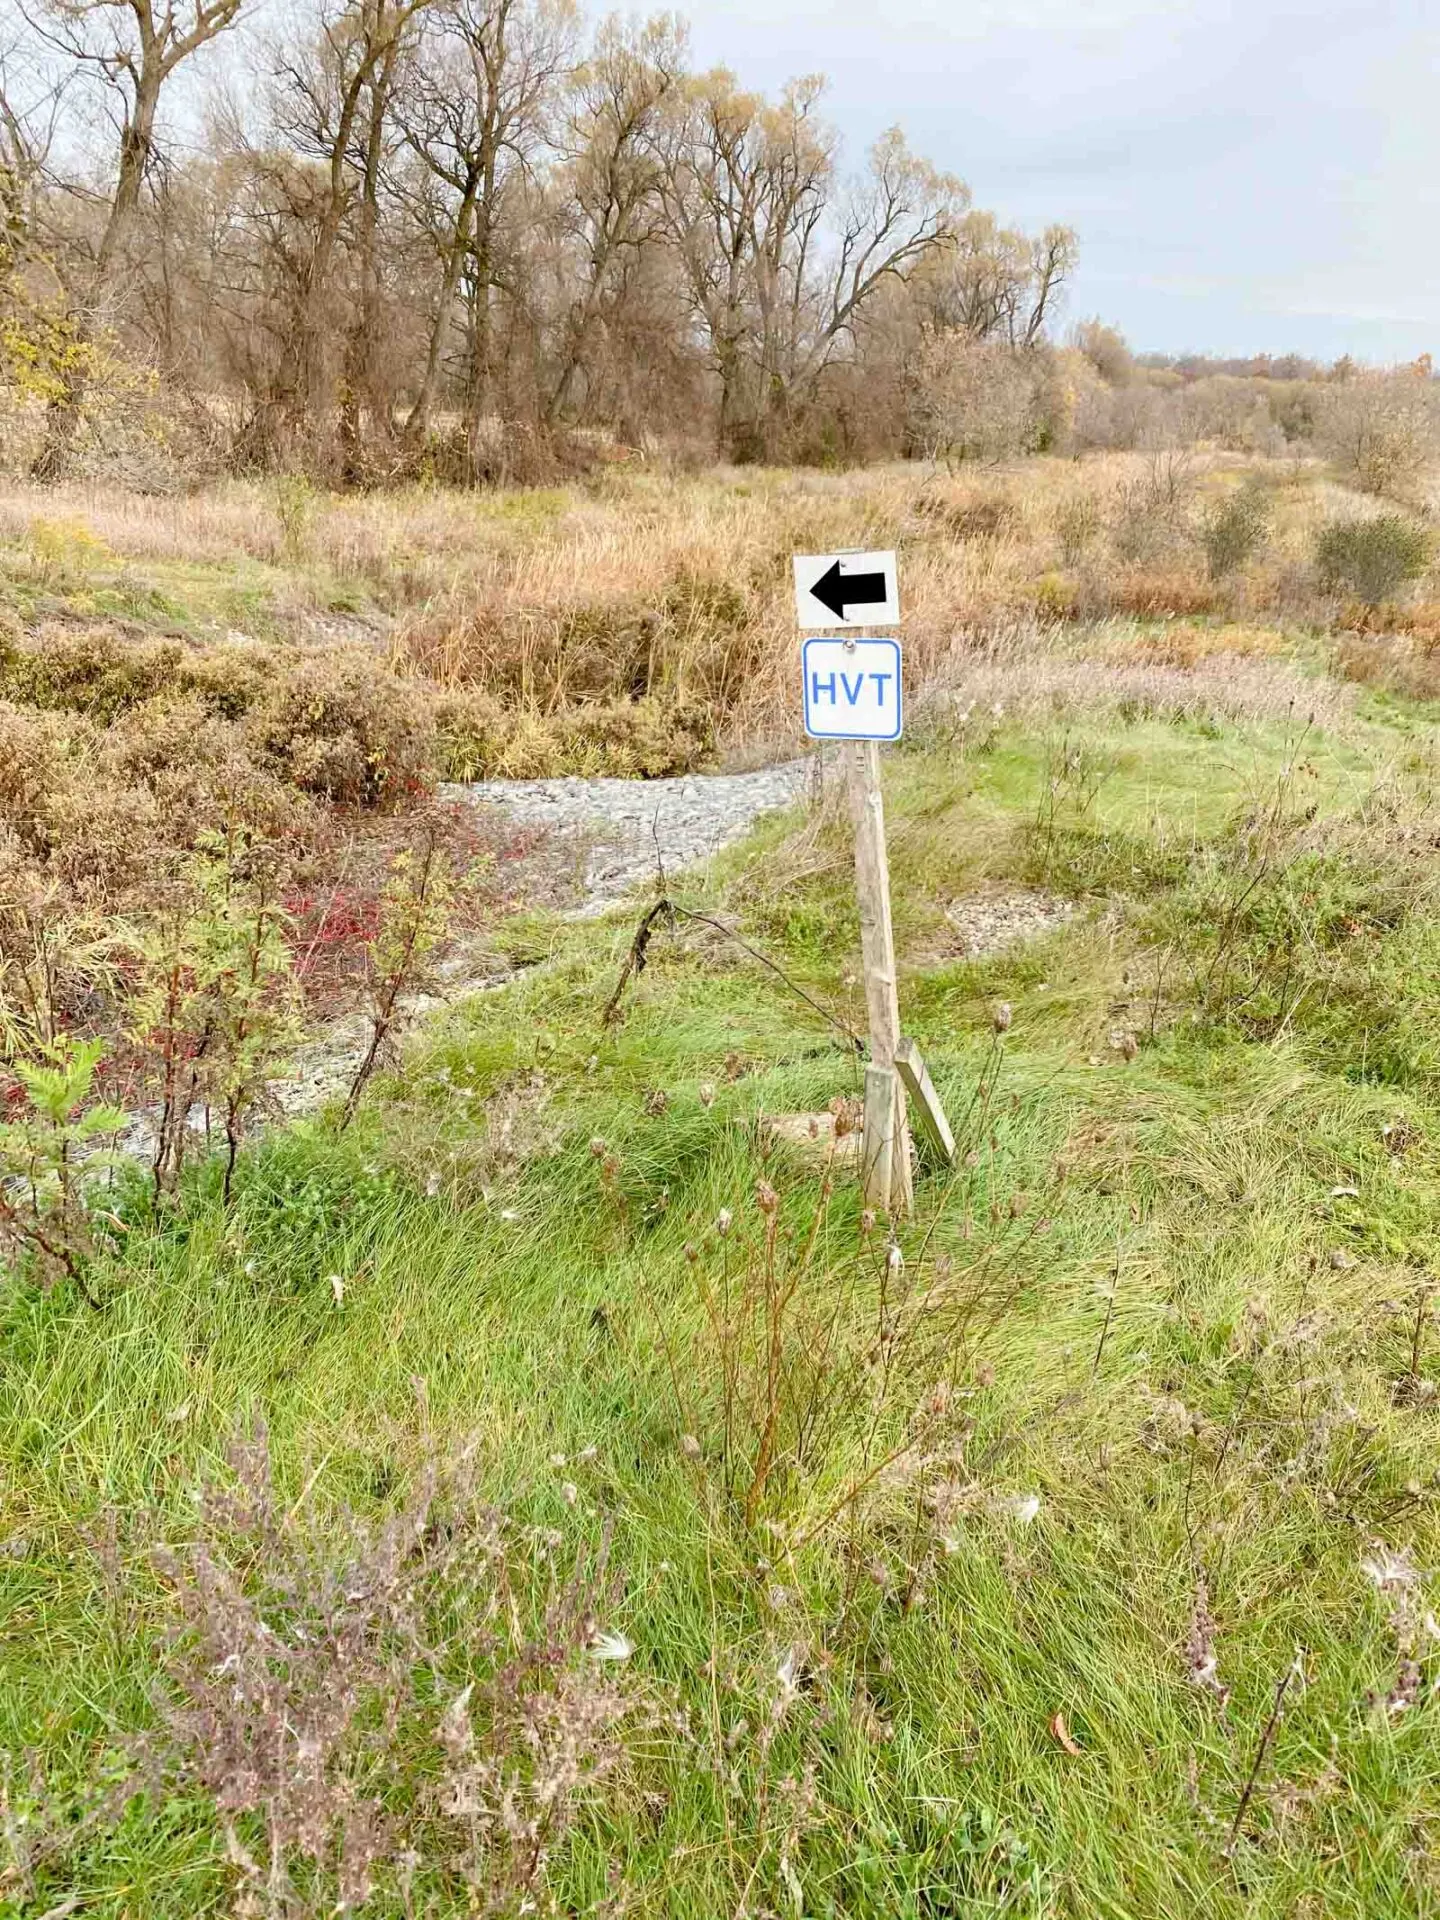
649	738
413	918
100	673
429	1698
211	998
35	764
198	767
1397	666
295	510
972	401
1150	506
45	1137
1233	530
342	728
987	517
482	740
94	672
1372	559
1078	524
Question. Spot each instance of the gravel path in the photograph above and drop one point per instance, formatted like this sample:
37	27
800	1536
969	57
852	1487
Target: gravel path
631	829
637	827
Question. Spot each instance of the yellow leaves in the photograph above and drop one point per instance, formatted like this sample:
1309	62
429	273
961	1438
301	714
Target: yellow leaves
30	363
65	548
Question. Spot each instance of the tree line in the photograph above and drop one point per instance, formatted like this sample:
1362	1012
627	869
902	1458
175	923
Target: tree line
464	236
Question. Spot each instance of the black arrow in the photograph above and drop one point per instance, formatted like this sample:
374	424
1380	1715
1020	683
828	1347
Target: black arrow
839	591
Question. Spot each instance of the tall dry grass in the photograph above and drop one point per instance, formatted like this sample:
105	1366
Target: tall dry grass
641	586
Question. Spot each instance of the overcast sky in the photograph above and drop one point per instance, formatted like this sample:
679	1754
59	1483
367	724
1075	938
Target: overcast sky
1245	175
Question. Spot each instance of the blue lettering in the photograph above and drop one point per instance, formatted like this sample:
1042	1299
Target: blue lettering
852	694
882	680
815	688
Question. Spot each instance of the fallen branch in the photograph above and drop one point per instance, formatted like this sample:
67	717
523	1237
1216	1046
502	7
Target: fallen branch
636	958
667	911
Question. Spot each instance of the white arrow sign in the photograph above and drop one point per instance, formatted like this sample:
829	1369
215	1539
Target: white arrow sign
846	590
852	689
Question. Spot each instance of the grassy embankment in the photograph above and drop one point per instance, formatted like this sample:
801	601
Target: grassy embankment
1141	1434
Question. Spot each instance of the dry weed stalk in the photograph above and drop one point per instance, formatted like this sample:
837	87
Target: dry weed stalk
414	916
433	1698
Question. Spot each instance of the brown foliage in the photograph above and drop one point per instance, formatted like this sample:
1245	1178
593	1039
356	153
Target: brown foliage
340	727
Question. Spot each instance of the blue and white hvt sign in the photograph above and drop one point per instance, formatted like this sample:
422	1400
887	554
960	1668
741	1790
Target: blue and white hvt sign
852	689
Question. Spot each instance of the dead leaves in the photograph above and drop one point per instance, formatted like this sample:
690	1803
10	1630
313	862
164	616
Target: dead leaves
1060	1733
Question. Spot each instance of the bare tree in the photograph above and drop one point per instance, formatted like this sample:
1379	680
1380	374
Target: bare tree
449	210
333	98
900	216
475	113
992	283
1383	429
777	276
134	50
610	188
17	168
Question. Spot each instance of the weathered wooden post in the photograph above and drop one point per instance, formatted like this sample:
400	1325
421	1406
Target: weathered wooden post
886	1144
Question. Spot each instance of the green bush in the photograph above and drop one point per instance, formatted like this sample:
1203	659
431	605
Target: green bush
1372	559
1233	530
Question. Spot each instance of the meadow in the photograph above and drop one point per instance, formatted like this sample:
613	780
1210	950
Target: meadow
537	1487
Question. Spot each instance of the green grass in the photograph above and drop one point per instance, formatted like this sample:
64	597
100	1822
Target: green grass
1190	1366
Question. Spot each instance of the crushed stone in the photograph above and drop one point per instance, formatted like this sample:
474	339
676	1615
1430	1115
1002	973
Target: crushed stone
988	923
639	830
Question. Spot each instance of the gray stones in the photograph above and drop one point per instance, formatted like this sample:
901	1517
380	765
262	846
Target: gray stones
639	829
988	923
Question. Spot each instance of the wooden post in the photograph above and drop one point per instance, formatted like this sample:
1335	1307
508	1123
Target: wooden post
928	1110
877	1138
887	1184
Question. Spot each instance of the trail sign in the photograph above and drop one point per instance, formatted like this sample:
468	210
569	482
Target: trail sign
846	590
853	693
852	689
